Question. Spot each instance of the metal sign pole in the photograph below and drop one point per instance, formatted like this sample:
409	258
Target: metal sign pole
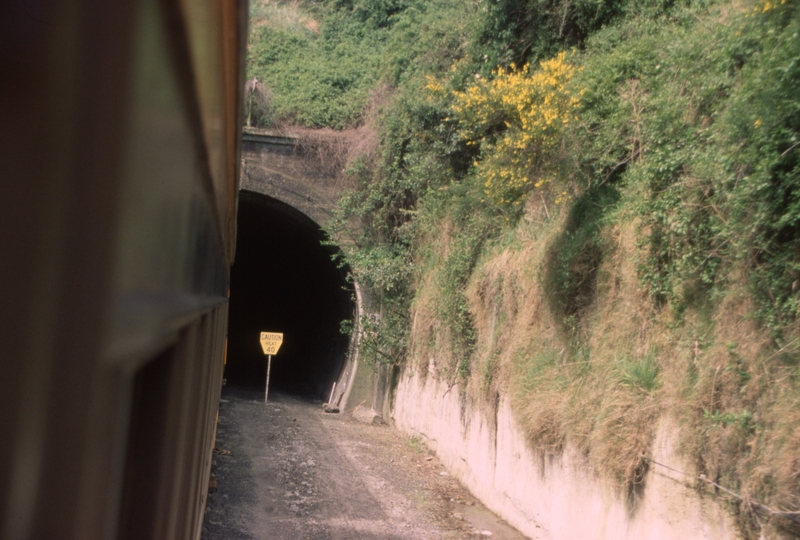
269	364
270	343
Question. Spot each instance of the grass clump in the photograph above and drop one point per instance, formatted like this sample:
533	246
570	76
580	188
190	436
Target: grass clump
641	373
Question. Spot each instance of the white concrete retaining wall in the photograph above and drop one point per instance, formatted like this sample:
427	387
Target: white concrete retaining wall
558	498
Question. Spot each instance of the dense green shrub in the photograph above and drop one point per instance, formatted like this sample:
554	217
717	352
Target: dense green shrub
761	127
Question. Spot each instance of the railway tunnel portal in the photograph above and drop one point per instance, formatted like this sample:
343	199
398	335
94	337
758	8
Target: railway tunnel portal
284	279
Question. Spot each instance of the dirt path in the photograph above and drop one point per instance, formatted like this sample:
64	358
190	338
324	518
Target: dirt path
288	471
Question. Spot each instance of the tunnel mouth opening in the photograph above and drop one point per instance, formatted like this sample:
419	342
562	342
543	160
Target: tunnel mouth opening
285	280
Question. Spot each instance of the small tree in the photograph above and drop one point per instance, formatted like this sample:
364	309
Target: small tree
258	100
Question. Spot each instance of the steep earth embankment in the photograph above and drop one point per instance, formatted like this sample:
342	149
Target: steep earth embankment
561	444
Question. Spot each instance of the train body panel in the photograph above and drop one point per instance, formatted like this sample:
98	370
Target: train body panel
119	155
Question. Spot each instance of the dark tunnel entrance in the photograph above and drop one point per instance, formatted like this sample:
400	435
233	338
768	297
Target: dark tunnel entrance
283	280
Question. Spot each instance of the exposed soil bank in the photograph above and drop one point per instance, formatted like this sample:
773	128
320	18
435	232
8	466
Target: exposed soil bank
288	471
555	498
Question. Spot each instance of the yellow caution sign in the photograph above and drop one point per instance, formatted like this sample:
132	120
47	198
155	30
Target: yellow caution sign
271	342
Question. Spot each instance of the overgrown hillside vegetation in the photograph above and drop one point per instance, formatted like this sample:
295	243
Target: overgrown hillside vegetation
592	206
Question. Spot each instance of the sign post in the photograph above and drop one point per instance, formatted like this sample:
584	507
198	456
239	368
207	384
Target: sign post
266	389
270	343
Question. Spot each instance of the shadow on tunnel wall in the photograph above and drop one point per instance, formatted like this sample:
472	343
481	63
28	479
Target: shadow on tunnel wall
283	280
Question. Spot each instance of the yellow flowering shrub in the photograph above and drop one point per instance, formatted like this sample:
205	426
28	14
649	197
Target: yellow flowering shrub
518	118
768	6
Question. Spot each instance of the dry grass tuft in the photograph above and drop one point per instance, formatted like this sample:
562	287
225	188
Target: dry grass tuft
429	347
743	411
338	151
281	14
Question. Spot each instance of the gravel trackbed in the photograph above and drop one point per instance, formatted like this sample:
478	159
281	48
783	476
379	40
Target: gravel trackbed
289	471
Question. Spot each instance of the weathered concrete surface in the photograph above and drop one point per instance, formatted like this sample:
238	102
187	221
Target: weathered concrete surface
558	498
280	167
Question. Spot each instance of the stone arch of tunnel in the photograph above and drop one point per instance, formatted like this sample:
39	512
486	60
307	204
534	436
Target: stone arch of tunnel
284	280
